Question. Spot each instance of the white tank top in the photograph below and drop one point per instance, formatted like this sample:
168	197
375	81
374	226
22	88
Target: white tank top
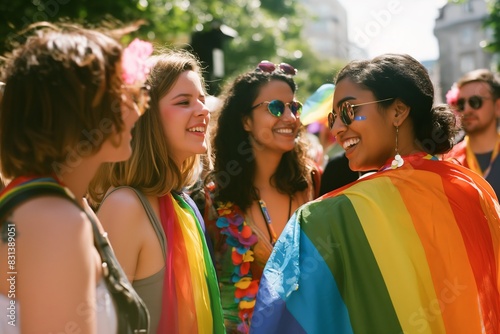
105	313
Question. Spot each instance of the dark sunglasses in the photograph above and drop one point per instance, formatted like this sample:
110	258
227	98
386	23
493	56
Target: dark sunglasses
267	66
277	107
475	102
347	112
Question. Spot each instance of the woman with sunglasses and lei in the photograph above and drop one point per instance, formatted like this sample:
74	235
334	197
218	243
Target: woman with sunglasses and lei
476	100
260	177
155	228
67	108
411	248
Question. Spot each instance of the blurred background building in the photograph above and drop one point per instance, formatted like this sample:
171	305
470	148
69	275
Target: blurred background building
459	29
432	67
326	30
461	38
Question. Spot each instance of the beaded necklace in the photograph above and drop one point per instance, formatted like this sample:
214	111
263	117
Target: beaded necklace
267	218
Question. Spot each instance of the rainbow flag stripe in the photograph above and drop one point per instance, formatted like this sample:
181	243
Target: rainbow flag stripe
318	105
410	250
191	298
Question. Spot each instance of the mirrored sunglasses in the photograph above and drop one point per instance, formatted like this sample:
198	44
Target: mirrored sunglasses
347	114
140	97
475	102
277	107
269	67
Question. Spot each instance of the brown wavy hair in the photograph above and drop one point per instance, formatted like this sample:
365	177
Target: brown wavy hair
53	98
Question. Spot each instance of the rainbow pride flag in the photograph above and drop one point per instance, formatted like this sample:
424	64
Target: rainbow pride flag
191	298
318	105
409	250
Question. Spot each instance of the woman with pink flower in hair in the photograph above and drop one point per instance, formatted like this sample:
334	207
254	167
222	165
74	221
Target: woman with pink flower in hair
156	230
65	110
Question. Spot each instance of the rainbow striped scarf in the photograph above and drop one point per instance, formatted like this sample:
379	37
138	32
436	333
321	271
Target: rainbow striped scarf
410	250
191	298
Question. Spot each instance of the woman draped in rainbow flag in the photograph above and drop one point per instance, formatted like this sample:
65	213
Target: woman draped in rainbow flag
154	227
411	248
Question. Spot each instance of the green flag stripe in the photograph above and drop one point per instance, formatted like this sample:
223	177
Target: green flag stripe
345	249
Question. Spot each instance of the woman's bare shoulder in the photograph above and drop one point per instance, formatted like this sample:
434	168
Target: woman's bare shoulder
125	196
51	215
56	259
123	211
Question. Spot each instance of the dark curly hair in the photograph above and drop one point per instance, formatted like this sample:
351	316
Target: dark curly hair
402	77
234	163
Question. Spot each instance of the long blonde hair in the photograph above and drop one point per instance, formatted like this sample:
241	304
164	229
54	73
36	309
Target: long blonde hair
151	168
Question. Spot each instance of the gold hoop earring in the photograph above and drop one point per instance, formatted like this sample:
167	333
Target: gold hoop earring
398	161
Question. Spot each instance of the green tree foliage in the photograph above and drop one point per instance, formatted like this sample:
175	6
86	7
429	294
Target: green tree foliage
267	29
493	23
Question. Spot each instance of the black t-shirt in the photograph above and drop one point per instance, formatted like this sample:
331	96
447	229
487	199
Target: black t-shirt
337	173
493	176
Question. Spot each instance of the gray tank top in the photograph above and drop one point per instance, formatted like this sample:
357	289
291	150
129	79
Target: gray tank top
150	289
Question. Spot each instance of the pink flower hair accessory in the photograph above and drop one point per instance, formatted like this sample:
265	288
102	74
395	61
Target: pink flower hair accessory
134	61
452	95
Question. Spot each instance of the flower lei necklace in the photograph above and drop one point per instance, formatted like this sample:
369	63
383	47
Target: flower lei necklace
240	237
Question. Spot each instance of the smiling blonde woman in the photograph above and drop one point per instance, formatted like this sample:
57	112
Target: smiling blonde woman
155	228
